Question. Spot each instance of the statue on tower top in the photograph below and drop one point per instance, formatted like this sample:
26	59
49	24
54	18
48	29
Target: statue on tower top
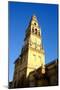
34	17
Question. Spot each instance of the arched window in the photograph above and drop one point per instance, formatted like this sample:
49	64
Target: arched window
34	23
35	31
39	33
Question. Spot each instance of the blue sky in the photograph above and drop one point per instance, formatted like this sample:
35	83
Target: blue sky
19	17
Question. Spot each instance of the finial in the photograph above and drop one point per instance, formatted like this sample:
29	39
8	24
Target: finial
34	17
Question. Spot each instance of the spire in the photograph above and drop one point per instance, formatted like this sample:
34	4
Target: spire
32	24
34	17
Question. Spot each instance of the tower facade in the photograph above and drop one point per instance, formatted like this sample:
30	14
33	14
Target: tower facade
36	56
32	54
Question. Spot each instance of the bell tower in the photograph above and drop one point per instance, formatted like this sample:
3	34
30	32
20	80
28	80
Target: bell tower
36	55
32	54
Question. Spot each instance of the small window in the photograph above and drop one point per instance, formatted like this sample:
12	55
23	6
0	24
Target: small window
35	31
39	33
34	23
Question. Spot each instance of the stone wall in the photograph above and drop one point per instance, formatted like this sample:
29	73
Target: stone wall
38	79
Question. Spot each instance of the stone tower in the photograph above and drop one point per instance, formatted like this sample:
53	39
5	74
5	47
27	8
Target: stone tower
32	54
36	56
